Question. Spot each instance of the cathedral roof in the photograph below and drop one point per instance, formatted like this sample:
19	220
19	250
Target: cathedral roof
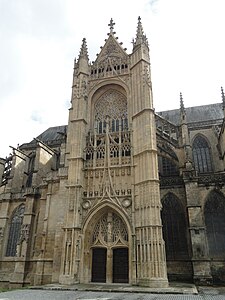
52	136
53	133
195	114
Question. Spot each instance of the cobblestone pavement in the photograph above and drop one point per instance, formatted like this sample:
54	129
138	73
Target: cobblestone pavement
26	294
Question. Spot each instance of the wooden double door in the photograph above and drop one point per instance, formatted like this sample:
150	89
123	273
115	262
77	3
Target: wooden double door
110	268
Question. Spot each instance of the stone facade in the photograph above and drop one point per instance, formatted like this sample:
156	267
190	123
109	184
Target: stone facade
121	194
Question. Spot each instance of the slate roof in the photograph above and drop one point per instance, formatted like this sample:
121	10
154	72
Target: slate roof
195	114
53	133
53	136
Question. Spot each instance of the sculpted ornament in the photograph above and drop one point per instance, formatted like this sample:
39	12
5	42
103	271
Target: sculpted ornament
24	233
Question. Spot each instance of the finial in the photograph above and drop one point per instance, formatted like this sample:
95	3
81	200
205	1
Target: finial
140	36
223	97
182	109
83	50
111	26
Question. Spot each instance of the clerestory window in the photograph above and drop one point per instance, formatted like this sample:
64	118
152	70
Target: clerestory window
201	155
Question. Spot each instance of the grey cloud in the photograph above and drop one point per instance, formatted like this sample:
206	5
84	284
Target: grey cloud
36	116
153	5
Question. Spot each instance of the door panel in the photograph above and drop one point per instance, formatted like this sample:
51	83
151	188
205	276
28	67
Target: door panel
120	265
98	265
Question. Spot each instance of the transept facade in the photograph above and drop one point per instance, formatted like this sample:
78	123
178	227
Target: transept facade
121	194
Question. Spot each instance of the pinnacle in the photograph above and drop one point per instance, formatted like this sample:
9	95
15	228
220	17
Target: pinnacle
140	36
83	50
223	97
182	108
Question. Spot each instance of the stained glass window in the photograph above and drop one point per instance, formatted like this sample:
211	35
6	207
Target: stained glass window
14	230
215	223
201	155
112	105
167	167
174	227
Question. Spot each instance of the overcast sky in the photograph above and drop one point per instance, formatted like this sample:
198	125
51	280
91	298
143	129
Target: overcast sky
41	38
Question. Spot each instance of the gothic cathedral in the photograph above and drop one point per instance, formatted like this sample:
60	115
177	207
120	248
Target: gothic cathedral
121	194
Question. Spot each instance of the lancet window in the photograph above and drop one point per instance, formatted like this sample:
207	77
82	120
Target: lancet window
201	155
14	230
214	212
174	228
111	137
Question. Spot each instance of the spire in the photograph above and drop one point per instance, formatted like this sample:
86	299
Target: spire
223	98
140	36
83	50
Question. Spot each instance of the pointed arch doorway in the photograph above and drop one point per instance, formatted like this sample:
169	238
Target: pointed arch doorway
109	250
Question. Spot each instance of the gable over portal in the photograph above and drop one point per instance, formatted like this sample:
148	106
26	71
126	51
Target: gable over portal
112	50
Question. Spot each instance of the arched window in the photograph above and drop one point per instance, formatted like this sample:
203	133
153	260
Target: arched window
174	228
201	155
14	230
215	223
112	136
167	167
111	106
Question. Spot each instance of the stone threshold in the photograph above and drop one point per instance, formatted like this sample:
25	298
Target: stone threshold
174	288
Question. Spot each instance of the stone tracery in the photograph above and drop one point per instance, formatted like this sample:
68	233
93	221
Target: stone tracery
112	107
110	230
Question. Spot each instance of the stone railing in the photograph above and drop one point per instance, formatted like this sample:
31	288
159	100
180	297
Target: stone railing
217	178
171	181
